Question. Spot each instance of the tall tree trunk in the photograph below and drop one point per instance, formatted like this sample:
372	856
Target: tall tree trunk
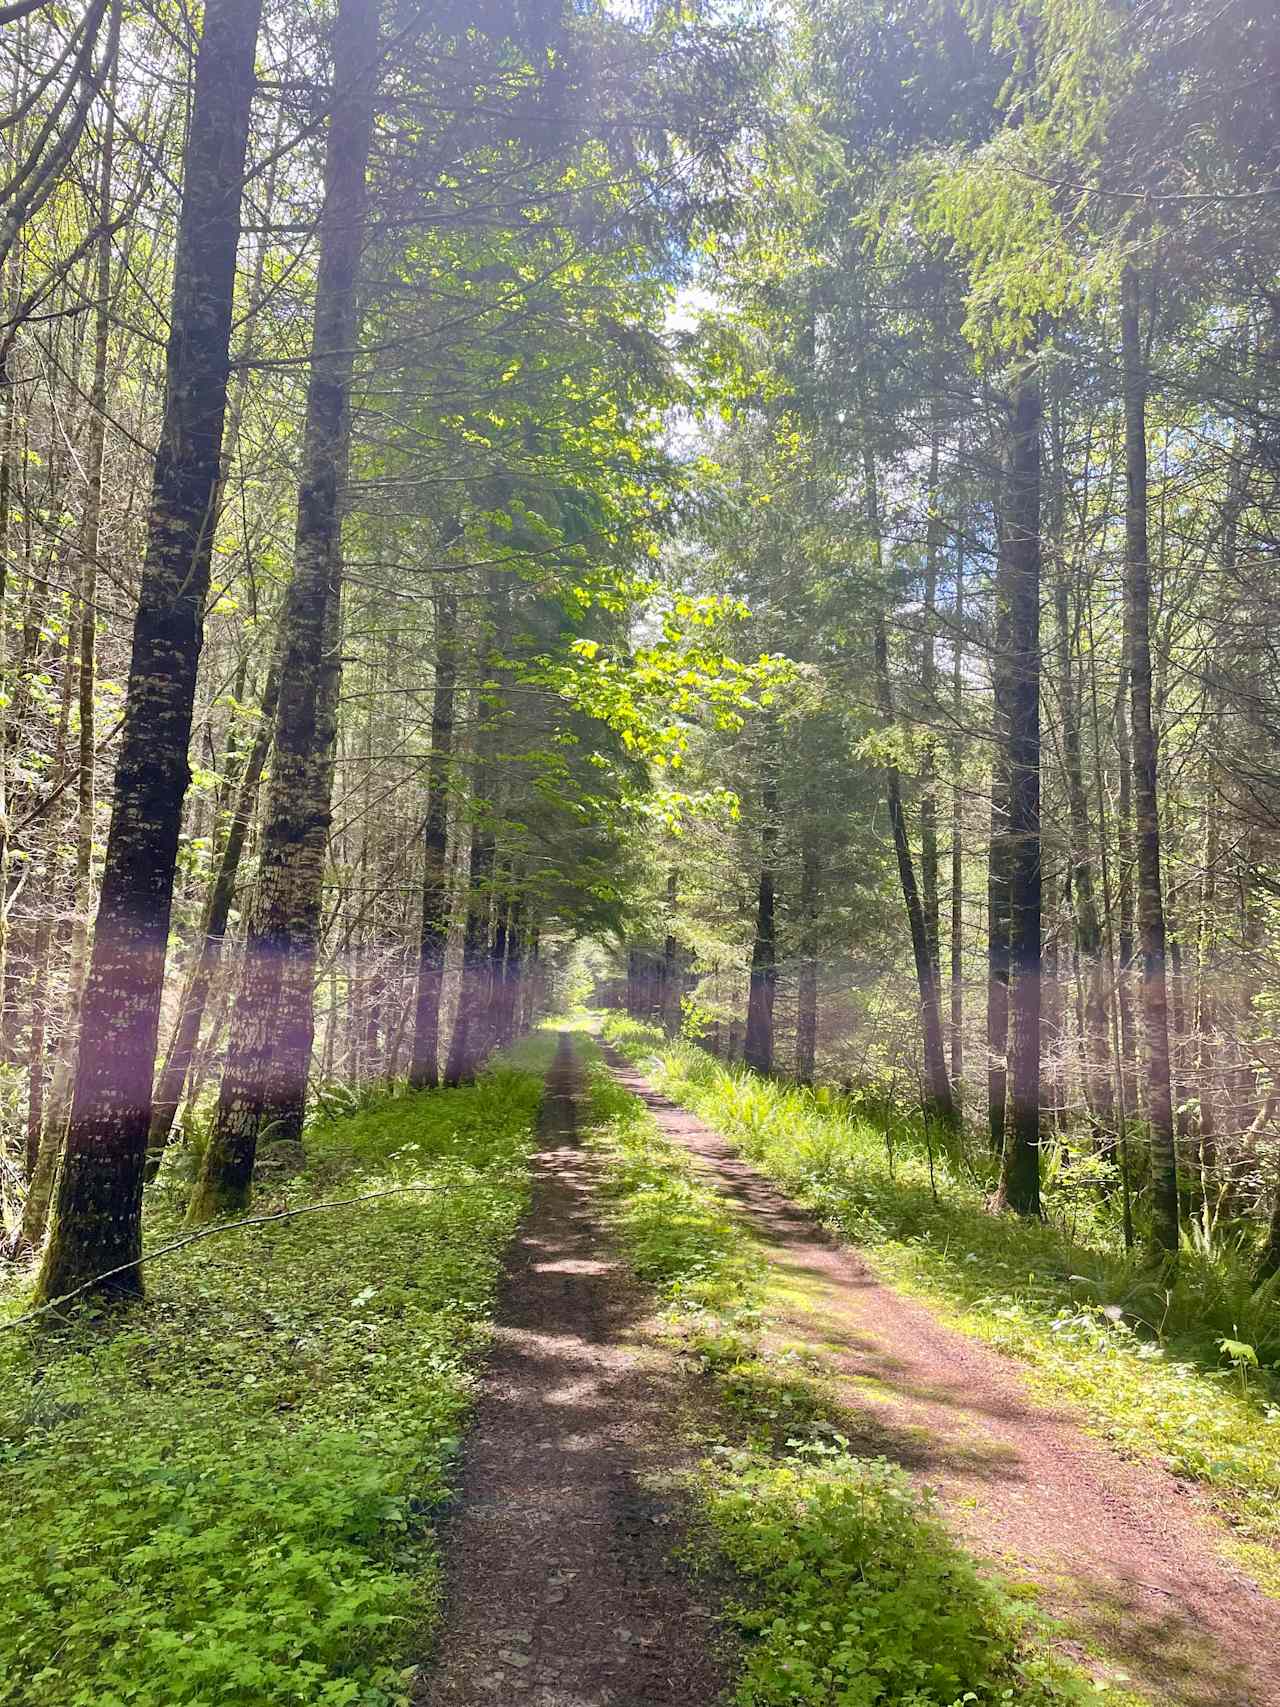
998	863
56	1107
1018	690
36	1045
238	796
468	1043
938	1101
1124	884
957	836
1205	1018
433	938
1151	923
465	1045
513	975
1209	1080
531	1001
758	1047
491	1013
939	1104
403	983
264	1079
97	1222
9	286
928	686
672	972
1084	905
807	1003
173	1074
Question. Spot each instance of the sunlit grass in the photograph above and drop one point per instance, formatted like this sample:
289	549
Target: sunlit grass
226	1497
1143	1363
850	1587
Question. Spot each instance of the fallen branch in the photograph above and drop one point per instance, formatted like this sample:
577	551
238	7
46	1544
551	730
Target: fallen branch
205	1233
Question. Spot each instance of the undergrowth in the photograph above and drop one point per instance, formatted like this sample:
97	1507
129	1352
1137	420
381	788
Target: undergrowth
225	1498
1146	1364
851	1592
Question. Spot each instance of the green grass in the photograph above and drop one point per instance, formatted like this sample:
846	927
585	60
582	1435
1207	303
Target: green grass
1143	1363
227	1498
851	1592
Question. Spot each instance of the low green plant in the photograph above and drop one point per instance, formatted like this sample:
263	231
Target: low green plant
859	1596
680	1239
1143	1360
225	1498
1242	1357
852	1594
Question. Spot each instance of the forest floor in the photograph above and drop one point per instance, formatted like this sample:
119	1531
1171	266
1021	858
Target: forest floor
698	1416
1119	1552
231	1493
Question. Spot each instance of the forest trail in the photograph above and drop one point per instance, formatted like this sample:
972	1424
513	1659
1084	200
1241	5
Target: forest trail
1117	1549
560	1588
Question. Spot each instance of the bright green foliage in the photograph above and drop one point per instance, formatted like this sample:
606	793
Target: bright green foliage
680	1238
854	1595
228	1502
1152	1369
862	1597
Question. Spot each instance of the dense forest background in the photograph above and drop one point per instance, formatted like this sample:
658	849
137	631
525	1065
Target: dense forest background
788	502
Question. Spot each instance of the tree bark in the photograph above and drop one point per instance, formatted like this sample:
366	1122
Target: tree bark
433	937
264	1081
928	762
1151	921
531	998
671	963
97	1221
1018	690
238	797
1124	883
495	985
1205	1015
469	1041
35	1051
465	1045
957	838
213	929
938	1101
1084	906
998	874
758	1047
512	976
807	1003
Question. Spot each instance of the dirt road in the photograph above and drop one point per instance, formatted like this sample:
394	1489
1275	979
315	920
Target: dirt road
1118	1549
562	1592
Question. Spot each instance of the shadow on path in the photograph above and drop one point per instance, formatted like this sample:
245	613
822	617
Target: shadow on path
561	1592
1113	1547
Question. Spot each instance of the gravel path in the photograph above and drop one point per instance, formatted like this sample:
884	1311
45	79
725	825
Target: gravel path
1118	1548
